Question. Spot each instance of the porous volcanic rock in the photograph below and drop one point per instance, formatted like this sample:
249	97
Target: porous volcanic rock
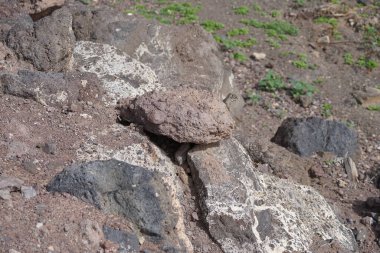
47	43
54	89
247	211
305	136
121	188
183	114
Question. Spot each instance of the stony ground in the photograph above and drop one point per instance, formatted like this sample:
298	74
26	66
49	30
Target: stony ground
333	58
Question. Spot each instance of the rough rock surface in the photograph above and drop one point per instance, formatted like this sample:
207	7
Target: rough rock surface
178	55
142	153
183	114
305	136
47	43
121	75
54	89
247	211
121	188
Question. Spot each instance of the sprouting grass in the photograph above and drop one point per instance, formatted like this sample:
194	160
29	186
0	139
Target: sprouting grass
238	31
242	10
302	62
273	43
228	43
240	56
276	28
348	59
367	63
326	20
374	108
271	82
212	26
257	7
300	88
170	13
327	110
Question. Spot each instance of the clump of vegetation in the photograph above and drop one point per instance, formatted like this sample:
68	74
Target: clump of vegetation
302	62
242	10
348	59
367	63
228	43
273	43
374	108
212	26
326	20
238	31
372	36
276	28
300	88
253	97
271	82
299	3
239	56
170	13
327	110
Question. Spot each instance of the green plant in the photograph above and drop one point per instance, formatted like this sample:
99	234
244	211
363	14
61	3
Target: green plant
271	82
212	26
326	20
181	13
273	43
239	56
372	36
300	88
238	31
253	97
256	7
275	14
374	108
348	59
276	27
228	43
301	62
242	10
367	63
86	1
327	110
299	3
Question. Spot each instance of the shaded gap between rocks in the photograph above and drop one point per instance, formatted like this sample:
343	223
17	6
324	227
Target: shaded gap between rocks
39	15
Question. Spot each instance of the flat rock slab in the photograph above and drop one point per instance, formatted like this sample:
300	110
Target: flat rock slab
305	136
53	89
247	211
183	114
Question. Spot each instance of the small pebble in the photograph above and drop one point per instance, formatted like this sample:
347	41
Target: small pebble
28	192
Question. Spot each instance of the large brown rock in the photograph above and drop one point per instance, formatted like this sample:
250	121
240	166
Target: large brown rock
184	114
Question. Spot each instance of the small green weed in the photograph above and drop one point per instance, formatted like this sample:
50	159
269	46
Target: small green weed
239	56
238	31
253	97
271	82
257	7
300	88
327	110
275	28
275	14
242	10
374	108
228	43
181	13
367	63
273	43
212	26
348	59
299	3
302	62
326	20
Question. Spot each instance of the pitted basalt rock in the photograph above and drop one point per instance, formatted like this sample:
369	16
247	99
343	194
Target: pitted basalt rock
53	89
47	43
305	136
184	115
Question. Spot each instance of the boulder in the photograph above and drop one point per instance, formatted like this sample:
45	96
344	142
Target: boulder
53	89
178	55
151	162
182	114
247	211
305	136
47	43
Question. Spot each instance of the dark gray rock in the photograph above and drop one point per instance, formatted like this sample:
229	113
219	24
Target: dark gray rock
117	187
305	136
182	114
247	211
125	239
54	89
47	43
